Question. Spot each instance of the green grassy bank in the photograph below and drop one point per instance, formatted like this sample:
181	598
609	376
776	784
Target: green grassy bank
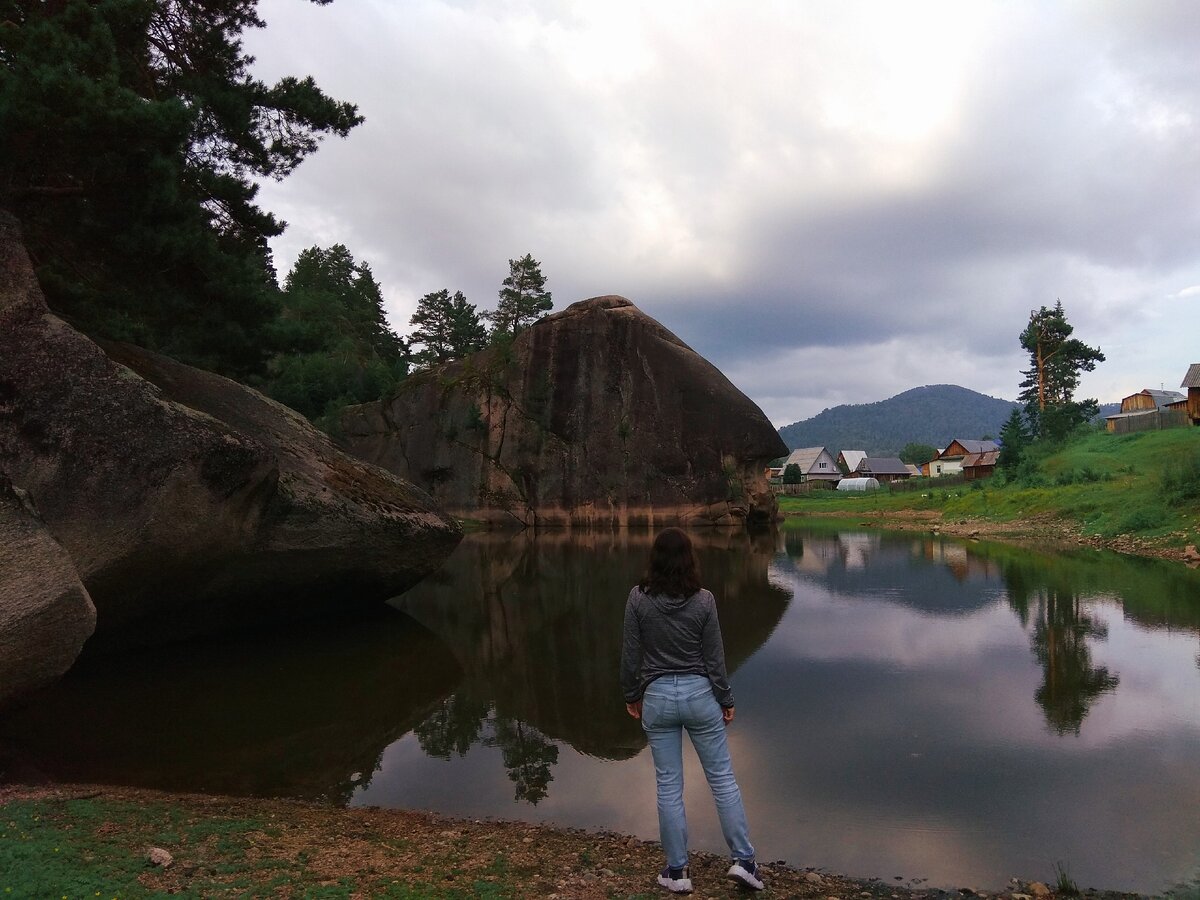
1144	485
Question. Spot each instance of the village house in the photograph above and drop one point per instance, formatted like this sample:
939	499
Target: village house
1191	381
816	464
1147	403
882	468
848	460
980	465
950	460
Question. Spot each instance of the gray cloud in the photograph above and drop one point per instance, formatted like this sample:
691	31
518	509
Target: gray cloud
834	202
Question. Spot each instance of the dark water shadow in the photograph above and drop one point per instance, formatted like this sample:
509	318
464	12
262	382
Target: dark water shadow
304	710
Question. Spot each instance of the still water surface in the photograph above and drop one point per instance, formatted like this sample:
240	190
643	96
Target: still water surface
907	706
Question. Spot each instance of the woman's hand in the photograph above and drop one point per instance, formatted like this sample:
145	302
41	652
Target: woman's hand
634	709
727	714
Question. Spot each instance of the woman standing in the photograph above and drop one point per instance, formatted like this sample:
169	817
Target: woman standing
673	676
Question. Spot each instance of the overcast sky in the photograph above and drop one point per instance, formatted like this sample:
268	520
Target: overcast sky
831	201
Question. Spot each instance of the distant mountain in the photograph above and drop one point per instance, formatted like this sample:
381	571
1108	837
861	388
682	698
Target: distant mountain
934	414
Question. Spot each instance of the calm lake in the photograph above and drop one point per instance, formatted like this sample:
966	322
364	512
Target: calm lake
907	705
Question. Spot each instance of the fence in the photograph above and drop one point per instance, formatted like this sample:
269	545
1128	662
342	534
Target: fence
1152	420
806	487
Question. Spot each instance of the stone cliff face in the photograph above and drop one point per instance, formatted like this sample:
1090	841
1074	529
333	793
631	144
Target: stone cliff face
596	415
187	502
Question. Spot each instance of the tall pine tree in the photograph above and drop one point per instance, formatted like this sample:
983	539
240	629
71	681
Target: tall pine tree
1056	361
523	298
131	136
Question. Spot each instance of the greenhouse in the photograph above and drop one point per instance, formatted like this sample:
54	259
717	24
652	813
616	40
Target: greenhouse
858	484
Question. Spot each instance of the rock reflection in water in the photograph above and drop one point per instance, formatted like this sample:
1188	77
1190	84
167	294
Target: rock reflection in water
301	711
535	622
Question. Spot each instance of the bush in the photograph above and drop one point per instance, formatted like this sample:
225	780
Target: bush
1145	518
1180	482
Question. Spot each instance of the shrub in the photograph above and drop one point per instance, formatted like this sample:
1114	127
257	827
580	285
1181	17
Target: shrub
1145	518
1180	482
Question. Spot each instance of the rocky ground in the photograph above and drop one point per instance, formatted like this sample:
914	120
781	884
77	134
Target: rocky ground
60	841
1039	531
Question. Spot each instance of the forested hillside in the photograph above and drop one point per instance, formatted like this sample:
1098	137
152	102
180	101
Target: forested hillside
934	414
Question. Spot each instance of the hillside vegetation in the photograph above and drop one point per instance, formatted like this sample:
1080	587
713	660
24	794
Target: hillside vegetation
934	414
1145	485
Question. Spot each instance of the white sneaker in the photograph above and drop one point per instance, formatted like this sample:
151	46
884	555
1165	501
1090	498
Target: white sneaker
679	885
746	873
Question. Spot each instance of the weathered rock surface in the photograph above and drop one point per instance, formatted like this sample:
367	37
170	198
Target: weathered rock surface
190	503
45	612
595	415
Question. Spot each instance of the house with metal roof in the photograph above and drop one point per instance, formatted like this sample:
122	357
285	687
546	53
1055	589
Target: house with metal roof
1146	409
1149	400
980	465
848	460
883	468
816	464
949	461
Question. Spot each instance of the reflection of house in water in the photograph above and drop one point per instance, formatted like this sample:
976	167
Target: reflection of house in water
952	555
814	555
856	547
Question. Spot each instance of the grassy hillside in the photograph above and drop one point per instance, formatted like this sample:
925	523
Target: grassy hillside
1146	485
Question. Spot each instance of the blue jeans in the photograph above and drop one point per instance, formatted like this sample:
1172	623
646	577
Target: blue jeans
671	704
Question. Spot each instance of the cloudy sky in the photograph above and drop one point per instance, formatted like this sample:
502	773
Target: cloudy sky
832	201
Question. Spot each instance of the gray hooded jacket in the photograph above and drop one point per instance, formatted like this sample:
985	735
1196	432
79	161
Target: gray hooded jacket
672	636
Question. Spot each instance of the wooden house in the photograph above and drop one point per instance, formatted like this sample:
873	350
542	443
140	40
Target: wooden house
1148	409
882	468
1149	401
1191	381
980	465
816	464
950	460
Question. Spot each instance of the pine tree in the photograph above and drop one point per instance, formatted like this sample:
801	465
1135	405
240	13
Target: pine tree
335	344
522	299
131	137
1014	437
1056	361
446	327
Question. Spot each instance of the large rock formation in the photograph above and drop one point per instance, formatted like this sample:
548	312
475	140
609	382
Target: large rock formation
594	415
188	502
45	613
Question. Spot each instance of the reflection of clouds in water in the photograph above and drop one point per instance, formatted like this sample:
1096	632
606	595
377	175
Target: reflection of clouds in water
961	793
882	632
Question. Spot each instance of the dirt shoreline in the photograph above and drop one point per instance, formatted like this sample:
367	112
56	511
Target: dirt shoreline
305	848
1042	532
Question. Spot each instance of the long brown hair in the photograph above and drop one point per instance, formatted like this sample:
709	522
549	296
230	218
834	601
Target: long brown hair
673	571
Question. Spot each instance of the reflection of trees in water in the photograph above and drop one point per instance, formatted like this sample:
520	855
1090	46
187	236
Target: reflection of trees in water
1060	642
1062	629
460	721
536	621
